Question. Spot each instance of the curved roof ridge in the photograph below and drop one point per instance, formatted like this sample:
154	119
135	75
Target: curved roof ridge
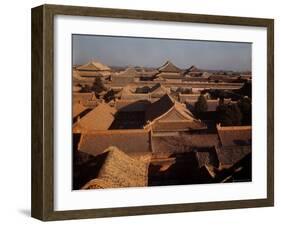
129	71
169	67
184	111
94	65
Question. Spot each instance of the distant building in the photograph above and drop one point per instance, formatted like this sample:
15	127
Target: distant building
158	90
93	69
168	71
168	115
124	77
143	93
193	72
129	93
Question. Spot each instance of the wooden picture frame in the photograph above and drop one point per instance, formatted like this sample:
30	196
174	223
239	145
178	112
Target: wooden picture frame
43	112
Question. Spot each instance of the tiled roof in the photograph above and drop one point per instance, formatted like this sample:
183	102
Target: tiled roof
119	170
132	105
195	79
167	113
189	97
235	135
168	75
192	69
89	74
158	90
128	93
207	156
169	67
159	107
181	143
77	109
100	118
116	79
183	125
135	96
130	71
129	141
93	66
229	156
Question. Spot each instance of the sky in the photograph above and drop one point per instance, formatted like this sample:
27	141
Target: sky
154	52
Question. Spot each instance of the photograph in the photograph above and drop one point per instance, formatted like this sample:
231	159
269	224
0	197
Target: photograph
160	112
142	112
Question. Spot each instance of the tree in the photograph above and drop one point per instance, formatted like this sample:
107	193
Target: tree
110	95
235	114
223	117
245	105
98	86
201	105
229	114
216	93
246	89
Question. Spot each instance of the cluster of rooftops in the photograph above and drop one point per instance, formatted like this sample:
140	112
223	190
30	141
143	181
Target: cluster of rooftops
162	111
168	72
168	128
145	119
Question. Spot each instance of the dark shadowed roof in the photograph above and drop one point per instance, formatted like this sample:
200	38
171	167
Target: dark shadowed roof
100	118
132	105
129	141
167	114
158	108
119	170
183	142
240	171
158	87
168	67
207	156
228	156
